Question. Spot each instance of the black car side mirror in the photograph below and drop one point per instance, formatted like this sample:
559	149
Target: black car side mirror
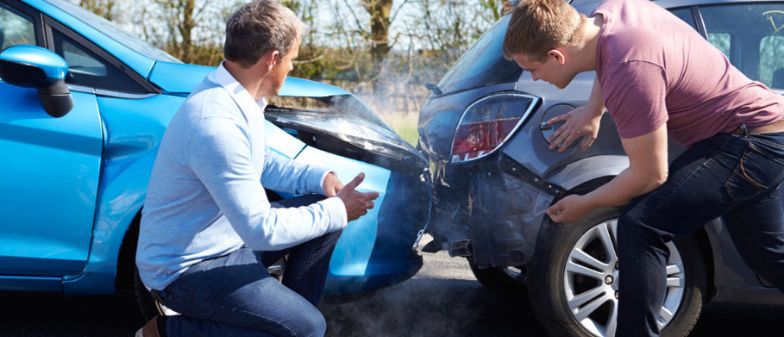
36	67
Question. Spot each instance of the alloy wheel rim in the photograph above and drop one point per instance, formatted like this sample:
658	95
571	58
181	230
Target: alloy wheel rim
591	281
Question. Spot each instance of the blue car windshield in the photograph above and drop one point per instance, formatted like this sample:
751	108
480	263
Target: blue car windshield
113	31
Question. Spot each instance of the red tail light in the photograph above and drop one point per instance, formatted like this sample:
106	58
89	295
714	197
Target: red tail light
488	123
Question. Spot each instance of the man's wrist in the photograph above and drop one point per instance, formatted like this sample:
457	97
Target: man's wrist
324	179
597	109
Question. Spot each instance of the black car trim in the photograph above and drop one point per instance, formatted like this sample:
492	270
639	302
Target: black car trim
514	168
100	52
699	21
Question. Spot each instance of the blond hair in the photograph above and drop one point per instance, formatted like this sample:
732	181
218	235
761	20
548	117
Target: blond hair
538	26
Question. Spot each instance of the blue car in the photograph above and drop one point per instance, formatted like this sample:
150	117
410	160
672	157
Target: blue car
84	106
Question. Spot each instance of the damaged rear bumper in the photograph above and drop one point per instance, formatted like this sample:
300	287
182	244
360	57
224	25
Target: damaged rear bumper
491	211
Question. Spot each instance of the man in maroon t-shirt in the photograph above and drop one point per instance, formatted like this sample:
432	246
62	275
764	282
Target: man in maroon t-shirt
659	78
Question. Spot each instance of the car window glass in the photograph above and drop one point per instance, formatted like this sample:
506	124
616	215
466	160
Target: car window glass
87	69
685	15
772	60
15	28
752	37
720	41
483	63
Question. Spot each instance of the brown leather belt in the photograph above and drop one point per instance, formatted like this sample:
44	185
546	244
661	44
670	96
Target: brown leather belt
774	127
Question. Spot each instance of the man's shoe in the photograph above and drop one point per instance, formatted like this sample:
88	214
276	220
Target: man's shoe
150	329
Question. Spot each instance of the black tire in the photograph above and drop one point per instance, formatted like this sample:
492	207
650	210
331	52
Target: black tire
500	280
147	305
547	280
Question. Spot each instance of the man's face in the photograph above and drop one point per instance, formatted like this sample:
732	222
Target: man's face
275	78
553	70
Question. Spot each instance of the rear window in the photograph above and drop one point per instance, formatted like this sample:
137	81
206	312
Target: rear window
483	64
751	36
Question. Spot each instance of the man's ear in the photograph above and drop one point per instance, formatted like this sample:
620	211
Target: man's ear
558	54
270	59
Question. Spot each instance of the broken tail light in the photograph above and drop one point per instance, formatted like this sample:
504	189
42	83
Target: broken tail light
488	123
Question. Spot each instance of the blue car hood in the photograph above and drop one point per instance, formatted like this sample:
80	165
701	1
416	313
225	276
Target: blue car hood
178	78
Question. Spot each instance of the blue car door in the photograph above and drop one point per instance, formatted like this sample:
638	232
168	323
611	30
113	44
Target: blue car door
49	171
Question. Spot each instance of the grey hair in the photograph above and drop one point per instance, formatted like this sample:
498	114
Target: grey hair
259	27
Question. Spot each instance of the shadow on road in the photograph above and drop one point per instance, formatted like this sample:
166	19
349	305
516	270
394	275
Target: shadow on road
416	308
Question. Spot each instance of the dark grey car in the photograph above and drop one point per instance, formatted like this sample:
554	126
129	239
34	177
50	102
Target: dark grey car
482	129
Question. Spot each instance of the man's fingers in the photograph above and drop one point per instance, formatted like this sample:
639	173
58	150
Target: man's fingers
558	118
569	141
586	143
561	139
352	185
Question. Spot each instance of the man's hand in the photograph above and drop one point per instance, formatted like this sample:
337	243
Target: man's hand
357	203
570	209
580	122
331	184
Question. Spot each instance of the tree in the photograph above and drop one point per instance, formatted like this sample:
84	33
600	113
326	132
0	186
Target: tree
104	8
379	11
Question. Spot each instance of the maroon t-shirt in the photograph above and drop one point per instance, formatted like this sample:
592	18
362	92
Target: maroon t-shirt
654	69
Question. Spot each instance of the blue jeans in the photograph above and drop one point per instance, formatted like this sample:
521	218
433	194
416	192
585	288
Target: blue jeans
737	177
234	295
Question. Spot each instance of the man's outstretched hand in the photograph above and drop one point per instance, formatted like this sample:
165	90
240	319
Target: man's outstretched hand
357	203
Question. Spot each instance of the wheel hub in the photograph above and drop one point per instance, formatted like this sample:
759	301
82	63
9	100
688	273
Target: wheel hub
591	281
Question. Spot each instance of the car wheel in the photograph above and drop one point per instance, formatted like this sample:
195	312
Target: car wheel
574	275
502	280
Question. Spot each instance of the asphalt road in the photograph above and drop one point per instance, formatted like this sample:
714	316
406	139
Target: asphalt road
442	300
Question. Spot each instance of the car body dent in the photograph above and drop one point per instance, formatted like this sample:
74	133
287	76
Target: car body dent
356	243
134	129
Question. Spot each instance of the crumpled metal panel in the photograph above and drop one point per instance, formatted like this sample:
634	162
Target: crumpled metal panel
492	211
506	214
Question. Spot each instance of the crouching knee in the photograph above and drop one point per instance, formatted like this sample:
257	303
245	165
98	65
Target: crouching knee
311	323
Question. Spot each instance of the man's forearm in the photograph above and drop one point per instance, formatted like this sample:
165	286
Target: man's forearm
622	189
596	101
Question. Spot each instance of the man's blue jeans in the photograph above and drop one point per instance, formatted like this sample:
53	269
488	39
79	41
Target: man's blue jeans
737	177
234	295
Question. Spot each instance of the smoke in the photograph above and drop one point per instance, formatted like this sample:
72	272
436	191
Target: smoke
444	299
